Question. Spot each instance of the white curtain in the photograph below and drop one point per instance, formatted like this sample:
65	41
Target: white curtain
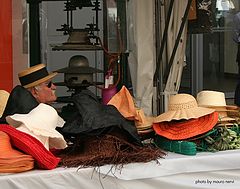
142	56
174	77
140	21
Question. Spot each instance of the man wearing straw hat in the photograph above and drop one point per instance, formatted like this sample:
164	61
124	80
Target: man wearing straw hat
37	80
36	87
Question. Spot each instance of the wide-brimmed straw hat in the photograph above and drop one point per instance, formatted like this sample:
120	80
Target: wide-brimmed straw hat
3	100
12	160
31	146
182	106
216	100
35	75
41	122
183	129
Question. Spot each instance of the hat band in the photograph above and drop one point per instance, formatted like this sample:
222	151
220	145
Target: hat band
34	76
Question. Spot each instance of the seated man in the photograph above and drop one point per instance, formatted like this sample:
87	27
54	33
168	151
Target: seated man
36	87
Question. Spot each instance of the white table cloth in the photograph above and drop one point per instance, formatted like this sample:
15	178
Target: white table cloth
205	170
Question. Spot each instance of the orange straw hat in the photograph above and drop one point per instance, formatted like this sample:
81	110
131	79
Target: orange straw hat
3	100
11	160
182	106
180	130
123	101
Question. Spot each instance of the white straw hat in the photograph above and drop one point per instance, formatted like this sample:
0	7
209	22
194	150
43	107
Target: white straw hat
182	106
217	101
207	98
41	121
3	100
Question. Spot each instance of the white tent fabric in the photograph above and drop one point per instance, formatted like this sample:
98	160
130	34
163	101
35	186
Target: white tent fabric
141	51
174	77
142	59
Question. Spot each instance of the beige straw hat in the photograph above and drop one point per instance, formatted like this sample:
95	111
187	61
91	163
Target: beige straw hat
182	106
35	75
3	100
217	101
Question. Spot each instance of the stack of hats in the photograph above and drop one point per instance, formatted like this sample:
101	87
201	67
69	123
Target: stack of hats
124	103
228	114
184	119
28	145
41	123
12	160
100	135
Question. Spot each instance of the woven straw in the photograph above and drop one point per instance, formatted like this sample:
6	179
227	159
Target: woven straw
178	146
213	99
182	106
216	100
184	129
34	70
11	160
3	100
123	101
107	149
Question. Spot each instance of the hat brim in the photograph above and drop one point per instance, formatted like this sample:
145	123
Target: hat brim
56	139
227	108
82	69
180	130
30	145
35	83
183	114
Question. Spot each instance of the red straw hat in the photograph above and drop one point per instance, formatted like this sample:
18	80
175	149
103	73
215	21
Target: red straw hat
183	129
30	145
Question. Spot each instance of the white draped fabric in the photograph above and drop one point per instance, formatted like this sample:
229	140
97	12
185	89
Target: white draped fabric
140	21
142	56
174	77
205	170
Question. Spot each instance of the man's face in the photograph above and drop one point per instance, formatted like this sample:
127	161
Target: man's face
45	92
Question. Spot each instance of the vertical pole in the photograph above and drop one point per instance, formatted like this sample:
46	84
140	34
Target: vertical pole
34	32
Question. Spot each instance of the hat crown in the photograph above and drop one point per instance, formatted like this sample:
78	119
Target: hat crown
182	101
45	114
211	98
78	61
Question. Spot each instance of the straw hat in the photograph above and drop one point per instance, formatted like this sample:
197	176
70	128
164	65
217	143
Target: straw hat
217	101
3	100
31	146
183	129
35	75
41	122
214	99
123	101
182	106
11	160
